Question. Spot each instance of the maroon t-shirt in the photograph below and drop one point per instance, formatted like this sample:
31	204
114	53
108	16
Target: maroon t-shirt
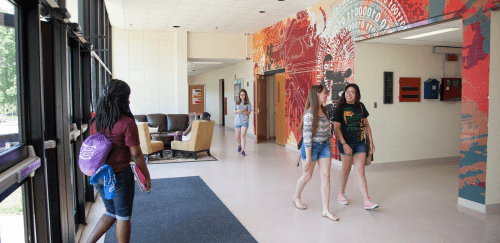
123	136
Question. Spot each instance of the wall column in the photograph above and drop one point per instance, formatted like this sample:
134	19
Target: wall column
476	116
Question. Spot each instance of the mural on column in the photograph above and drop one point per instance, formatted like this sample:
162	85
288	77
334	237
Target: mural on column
316	46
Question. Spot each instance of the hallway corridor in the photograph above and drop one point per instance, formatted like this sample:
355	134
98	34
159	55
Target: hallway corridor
418	202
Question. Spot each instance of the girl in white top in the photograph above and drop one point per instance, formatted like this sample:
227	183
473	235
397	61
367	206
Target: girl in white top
242	110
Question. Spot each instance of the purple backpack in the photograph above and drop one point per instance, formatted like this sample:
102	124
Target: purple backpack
93	153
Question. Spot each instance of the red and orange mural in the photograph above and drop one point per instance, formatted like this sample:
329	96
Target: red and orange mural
316	46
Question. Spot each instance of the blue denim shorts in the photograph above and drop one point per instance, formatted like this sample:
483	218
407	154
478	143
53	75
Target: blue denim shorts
242	125
119	207
357	148
318	151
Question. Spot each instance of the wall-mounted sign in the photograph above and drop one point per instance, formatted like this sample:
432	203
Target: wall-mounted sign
388	80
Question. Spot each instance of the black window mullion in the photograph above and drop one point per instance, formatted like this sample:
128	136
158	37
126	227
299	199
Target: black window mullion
62	132
77	118
32	85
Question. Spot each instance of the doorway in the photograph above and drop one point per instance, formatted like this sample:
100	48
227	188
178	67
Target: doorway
222	103
270	108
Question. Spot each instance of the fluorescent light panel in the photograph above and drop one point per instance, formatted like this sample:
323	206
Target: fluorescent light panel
430	33
209	63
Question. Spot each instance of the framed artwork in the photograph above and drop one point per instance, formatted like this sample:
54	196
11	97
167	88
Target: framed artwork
237	88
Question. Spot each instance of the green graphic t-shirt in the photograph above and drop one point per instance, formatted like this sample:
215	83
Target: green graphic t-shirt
351	118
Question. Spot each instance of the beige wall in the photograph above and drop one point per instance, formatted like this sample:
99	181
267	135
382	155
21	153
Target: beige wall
211	80
493	159
214	45
407	130
154	64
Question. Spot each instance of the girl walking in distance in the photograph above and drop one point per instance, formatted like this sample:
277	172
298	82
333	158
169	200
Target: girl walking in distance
242	110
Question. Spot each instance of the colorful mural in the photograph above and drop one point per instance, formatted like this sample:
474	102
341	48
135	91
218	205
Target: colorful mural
316	46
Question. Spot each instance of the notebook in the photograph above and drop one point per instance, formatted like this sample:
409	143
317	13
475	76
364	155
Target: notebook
139	177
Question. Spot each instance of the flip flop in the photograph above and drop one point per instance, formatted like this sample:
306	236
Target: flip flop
297	206
330	216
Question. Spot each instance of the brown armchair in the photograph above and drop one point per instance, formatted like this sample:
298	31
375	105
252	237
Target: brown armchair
148	147
201	139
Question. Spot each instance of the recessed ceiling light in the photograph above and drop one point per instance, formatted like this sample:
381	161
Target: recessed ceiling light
430	33
176	26
262	11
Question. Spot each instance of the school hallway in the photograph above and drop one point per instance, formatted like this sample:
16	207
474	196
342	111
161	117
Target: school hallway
418	202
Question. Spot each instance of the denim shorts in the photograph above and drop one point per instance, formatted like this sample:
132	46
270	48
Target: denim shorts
319	150
119	207
357	148
242	125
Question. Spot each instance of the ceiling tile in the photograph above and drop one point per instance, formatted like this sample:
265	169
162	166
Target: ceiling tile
205	18
136	10
137	4
213	8
194	1
222	2
163	5
185	12
184	6
238	10
247	4
162	11
208	13
268	6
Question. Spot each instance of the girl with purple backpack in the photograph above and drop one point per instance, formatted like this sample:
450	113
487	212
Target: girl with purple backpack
115	121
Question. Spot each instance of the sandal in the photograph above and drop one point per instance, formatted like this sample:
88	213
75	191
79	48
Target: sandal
330	216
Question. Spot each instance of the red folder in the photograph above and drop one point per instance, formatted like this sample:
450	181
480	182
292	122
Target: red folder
139	177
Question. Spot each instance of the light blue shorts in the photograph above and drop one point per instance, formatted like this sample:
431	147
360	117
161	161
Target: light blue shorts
318	151
242	125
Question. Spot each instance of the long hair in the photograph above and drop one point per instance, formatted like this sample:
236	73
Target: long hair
342	97
246	97
312	102
113	103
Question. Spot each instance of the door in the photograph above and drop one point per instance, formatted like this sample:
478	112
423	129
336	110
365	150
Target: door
261	109
222	103
280	109
197	98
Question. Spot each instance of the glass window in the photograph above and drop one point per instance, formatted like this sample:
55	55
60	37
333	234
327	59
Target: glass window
10	134
11	217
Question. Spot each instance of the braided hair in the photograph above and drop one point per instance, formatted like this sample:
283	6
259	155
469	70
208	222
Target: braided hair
113	103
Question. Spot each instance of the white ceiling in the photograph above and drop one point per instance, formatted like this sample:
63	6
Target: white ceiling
453	38
213	16
238	17
197	69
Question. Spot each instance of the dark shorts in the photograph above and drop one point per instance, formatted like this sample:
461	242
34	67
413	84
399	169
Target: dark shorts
119	207
357	148
318	151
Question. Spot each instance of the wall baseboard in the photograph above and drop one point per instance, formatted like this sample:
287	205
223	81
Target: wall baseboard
492	208
408	163
472	205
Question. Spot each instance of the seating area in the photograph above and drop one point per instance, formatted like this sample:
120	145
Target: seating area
162	126
156	132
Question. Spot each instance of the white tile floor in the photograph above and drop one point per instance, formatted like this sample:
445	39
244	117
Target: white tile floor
418	203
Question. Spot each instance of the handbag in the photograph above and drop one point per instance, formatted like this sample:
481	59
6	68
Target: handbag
369	156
